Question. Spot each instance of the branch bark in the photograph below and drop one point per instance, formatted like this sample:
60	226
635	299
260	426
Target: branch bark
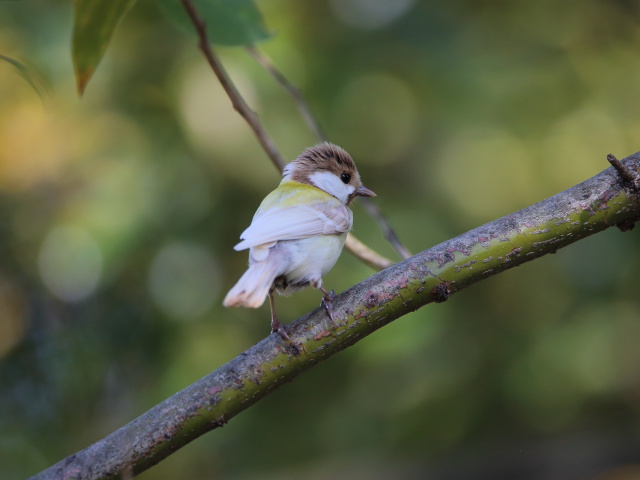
431	276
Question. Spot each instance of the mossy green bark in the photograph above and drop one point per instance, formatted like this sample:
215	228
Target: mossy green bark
430	276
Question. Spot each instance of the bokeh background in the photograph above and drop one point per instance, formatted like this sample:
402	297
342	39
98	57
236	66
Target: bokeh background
119	211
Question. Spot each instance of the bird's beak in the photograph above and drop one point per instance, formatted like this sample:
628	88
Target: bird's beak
364	192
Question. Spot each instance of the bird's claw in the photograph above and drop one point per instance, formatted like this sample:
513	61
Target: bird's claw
279	328
327	302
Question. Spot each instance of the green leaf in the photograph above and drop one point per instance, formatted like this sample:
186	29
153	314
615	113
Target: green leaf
94	23
229	22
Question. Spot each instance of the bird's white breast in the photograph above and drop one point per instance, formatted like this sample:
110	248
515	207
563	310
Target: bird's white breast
311	258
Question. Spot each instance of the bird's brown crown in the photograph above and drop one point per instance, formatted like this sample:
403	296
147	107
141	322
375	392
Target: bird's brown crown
324	157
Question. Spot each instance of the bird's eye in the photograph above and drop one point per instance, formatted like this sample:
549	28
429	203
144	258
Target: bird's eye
345	177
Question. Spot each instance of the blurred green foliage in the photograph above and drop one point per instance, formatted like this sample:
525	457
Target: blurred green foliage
119	212
94	22
228	23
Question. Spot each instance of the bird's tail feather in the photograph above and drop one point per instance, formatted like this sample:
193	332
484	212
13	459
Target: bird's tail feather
253	287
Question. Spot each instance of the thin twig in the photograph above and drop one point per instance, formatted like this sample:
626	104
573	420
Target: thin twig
295	92
365	254
627	175
32	77
387	231
318	131
234	95
356	247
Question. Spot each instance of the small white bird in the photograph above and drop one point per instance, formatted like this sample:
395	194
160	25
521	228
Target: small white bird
298	232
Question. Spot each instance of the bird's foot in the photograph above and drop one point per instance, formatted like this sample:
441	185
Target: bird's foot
327	302
279	328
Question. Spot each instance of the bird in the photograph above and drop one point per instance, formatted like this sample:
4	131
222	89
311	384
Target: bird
299	230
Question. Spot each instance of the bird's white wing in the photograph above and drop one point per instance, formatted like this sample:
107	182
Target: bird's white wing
295	222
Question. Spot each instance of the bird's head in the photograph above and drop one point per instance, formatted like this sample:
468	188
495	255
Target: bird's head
329	168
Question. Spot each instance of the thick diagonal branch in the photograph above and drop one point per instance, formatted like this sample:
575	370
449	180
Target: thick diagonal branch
431	276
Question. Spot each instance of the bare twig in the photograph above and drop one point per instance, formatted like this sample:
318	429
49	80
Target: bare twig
387	231
357	247
238	102
301	103
626	174
32	77
365	254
